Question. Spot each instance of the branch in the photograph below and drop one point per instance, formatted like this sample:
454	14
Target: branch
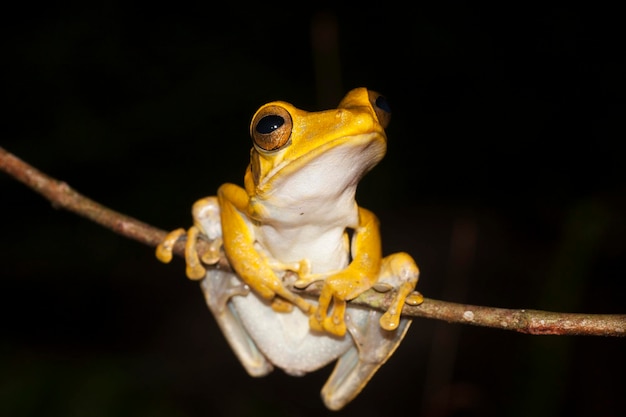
524	321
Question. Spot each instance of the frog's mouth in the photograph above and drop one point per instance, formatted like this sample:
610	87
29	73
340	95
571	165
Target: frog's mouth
332	168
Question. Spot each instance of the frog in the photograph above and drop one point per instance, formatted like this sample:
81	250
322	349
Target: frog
296	225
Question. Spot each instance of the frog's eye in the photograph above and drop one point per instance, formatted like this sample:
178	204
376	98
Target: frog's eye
381	107
271	127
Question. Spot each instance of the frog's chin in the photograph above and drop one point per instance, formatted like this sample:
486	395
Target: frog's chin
326	170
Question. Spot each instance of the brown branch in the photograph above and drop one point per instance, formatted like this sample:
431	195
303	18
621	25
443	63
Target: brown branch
525	321
63	196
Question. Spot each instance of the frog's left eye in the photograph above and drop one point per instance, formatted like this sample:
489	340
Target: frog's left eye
271	127
381	107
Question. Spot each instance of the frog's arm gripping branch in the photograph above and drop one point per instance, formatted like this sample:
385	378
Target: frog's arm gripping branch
523	321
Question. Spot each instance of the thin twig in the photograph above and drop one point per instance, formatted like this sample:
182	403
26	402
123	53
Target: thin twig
524	321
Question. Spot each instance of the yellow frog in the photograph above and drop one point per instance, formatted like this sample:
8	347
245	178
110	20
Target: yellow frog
296	223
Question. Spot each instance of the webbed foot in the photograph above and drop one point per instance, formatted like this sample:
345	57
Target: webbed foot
372	347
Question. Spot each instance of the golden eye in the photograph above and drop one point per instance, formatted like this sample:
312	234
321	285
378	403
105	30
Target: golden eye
381	107
271	127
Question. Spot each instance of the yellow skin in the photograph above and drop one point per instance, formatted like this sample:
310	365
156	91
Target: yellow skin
294	214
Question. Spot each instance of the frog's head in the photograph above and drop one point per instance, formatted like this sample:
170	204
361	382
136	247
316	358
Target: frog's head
330	149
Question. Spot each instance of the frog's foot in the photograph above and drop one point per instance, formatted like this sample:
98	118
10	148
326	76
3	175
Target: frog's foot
206	215
338	288
196	260
400	272
206	222
195	270
281	306
165	248
372	347
281	298
278	278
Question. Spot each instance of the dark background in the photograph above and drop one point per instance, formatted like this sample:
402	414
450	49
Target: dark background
504	179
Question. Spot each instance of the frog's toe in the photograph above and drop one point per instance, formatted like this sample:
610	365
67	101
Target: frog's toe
304	281
315	324
414	299
335	322
163	254
303	305
212	255
334	325
165	248
390	320
281	306
195	272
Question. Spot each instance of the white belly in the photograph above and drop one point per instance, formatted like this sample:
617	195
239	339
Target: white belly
286	339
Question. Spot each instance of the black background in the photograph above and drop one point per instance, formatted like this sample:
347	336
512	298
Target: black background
504	178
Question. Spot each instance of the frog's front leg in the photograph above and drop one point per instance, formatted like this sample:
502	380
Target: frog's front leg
250	265
359	276
367	270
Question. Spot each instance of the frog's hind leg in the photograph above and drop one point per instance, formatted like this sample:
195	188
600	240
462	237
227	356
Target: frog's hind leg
373	346
218	287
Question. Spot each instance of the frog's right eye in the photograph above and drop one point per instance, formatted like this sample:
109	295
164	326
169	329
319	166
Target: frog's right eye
271	127
381	107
